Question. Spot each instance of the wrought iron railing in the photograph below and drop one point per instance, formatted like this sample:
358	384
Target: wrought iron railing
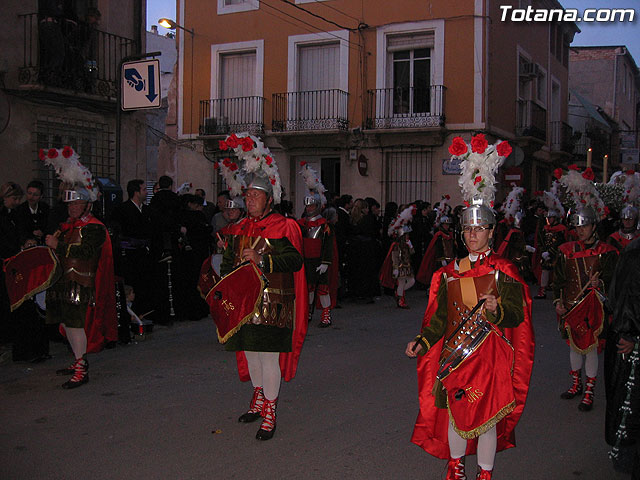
220	116
71	55
561	137
532	120
310	110
406	107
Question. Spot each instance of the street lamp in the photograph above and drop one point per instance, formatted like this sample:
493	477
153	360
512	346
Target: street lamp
172	25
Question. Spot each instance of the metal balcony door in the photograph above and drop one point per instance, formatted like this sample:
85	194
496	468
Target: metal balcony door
318	72
238	79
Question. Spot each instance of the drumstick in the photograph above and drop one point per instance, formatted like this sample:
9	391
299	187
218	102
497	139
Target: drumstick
57	233
593	277
145	314
253	245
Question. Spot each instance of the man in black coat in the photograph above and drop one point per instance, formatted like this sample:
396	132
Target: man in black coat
131	225
31	216
622	363
343	227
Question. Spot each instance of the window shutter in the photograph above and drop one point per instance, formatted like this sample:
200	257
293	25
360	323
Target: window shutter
396	43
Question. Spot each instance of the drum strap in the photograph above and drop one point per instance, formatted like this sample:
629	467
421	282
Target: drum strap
467	284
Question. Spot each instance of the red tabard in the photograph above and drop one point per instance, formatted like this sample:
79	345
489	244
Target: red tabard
431	428
386	277
479	390
312	247
584	323
30	272
427	266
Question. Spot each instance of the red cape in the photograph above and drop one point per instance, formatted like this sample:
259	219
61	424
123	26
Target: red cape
505	241
101	324
427	266
277	226
430	431
386	271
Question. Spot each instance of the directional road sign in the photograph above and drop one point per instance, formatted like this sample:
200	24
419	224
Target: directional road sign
140	84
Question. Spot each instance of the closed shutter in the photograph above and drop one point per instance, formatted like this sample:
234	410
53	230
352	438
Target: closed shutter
318	67
238	72
396	43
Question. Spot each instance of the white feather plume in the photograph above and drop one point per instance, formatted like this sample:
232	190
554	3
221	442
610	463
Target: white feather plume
441	209
403	218
512	203
313	183
66	164
552	202
583	192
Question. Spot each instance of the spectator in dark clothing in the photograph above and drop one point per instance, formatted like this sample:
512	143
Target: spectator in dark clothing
194	250
130	223
10	197
343	228
209	209
421	233
363	281
32	215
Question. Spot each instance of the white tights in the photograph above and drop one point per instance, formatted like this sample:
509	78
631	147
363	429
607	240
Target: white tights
590	361
77	339
264	370
325	300
487	443
404	284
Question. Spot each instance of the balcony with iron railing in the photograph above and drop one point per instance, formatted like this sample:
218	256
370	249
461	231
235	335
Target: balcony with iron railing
561	137
71	55
221	116
405	107
531	120
310	110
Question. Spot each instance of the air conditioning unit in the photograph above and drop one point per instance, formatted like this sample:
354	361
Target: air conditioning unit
530	70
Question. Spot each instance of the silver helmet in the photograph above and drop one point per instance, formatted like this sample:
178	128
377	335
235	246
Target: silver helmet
517	219
446	219
629	212
259	182
78	193
585	215
312	199
478	214
552	212
235	202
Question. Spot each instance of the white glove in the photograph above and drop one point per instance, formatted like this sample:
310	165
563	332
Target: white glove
444	263
410	244
322	268
395	272
546	255
530	249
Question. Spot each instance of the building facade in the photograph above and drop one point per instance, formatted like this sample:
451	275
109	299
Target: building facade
371	93
59	74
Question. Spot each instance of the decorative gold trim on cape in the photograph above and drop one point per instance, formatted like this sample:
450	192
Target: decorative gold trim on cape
485	427
42	287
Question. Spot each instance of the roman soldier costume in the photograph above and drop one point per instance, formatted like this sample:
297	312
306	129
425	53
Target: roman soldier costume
553	234
268	339
319	246
396	271
625	235
83	300
513	246
474	365
440	252
581	278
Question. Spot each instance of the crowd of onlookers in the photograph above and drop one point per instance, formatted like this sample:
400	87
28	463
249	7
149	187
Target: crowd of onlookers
159	244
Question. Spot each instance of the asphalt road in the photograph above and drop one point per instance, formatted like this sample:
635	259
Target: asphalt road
167	408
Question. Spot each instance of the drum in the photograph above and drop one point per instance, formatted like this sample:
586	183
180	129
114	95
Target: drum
235	299
462	344
208	277
29	272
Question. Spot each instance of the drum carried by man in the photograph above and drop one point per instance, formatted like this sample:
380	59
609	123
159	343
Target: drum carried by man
476	345
260	305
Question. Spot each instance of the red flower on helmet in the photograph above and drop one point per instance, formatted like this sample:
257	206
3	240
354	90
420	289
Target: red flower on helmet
222	145
233	141
582	200
479	143
448	197
216	165
268	160
226	162
247	144
273	181
504	149
458	147
588	174
233	167
41	154
467	204
478	179
52	153
630	172
303	163
606	210
573	167
67	151
557	173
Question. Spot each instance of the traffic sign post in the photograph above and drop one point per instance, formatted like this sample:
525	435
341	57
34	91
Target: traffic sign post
140	84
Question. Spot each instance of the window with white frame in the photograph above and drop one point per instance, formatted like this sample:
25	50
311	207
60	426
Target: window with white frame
409	75
234	6
236	88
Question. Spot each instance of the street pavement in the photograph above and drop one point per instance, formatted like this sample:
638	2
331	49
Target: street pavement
167	408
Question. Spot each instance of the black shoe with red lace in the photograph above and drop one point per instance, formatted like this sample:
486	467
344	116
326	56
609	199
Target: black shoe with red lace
80	375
